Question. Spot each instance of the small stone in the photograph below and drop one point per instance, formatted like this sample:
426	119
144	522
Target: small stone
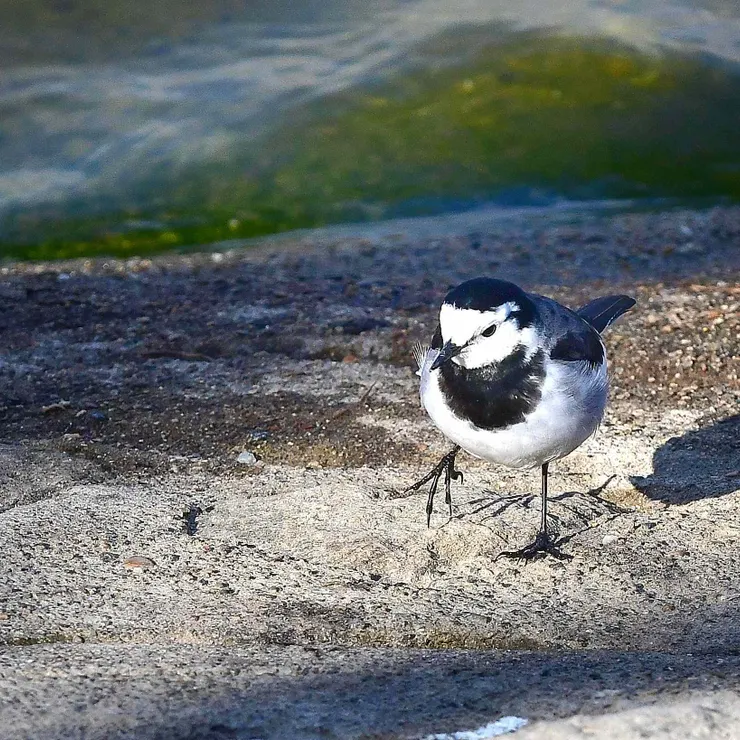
258	435
98	415
609	539
247	458
691	248
138	563
361	325
54	407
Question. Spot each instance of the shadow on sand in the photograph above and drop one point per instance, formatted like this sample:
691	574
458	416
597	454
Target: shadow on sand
367	693
704	463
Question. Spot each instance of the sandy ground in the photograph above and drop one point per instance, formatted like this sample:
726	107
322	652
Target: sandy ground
154	586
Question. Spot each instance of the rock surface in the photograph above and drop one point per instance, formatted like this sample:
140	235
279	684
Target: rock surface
155	587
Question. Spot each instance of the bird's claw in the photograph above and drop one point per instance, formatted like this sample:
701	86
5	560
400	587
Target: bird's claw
542	546
445	466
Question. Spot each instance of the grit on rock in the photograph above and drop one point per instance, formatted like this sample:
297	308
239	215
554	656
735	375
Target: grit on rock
200	465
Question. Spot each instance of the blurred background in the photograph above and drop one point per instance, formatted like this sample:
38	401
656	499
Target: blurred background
135	127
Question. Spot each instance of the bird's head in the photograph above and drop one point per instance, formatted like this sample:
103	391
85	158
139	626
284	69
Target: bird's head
483	321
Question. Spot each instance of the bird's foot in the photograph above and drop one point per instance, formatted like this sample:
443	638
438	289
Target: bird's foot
446	467
433	475
543	545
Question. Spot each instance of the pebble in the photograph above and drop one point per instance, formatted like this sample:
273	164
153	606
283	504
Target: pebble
54	407
138	563
609	539
258	435
361	325
691	248
247	458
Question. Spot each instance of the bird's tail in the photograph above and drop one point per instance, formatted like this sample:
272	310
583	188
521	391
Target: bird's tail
602	312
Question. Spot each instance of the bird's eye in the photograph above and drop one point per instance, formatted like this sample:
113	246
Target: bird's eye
490	331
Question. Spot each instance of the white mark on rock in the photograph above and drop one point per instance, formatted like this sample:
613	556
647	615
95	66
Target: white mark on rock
502	726
247	458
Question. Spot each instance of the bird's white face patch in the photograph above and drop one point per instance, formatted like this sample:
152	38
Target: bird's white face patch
460	325
464	326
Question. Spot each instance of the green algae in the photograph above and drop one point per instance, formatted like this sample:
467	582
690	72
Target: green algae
572	118
576	118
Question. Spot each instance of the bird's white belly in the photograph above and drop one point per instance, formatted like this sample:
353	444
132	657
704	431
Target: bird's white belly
569	411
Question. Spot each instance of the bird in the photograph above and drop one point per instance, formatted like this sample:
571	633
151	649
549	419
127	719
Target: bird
516	379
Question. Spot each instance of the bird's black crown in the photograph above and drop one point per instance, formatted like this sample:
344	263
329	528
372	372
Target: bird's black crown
484	294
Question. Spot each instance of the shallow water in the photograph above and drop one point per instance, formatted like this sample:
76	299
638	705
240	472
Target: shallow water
138	128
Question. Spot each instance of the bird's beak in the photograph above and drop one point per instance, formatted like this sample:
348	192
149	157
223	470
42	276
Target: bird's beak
447	352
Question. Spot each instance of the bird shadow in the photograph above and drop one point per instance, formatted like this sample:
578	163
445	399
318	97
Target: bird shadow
494	504
701	464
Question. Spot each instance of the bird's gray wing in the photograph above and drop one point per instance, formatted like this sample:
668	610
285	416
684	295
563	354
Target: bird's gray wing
602	312
565	335
579	345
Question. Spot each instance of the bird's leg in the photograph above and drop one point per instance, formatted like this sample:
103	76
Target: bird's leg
450	475
430	499
543	508
447	466
543	544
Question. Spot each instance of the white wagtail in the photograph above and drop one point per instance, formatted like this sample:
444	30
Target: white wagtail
515	379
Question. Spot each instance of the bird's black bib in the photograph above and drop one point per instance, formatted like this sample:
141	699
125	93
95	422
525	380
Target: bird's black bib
498	396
